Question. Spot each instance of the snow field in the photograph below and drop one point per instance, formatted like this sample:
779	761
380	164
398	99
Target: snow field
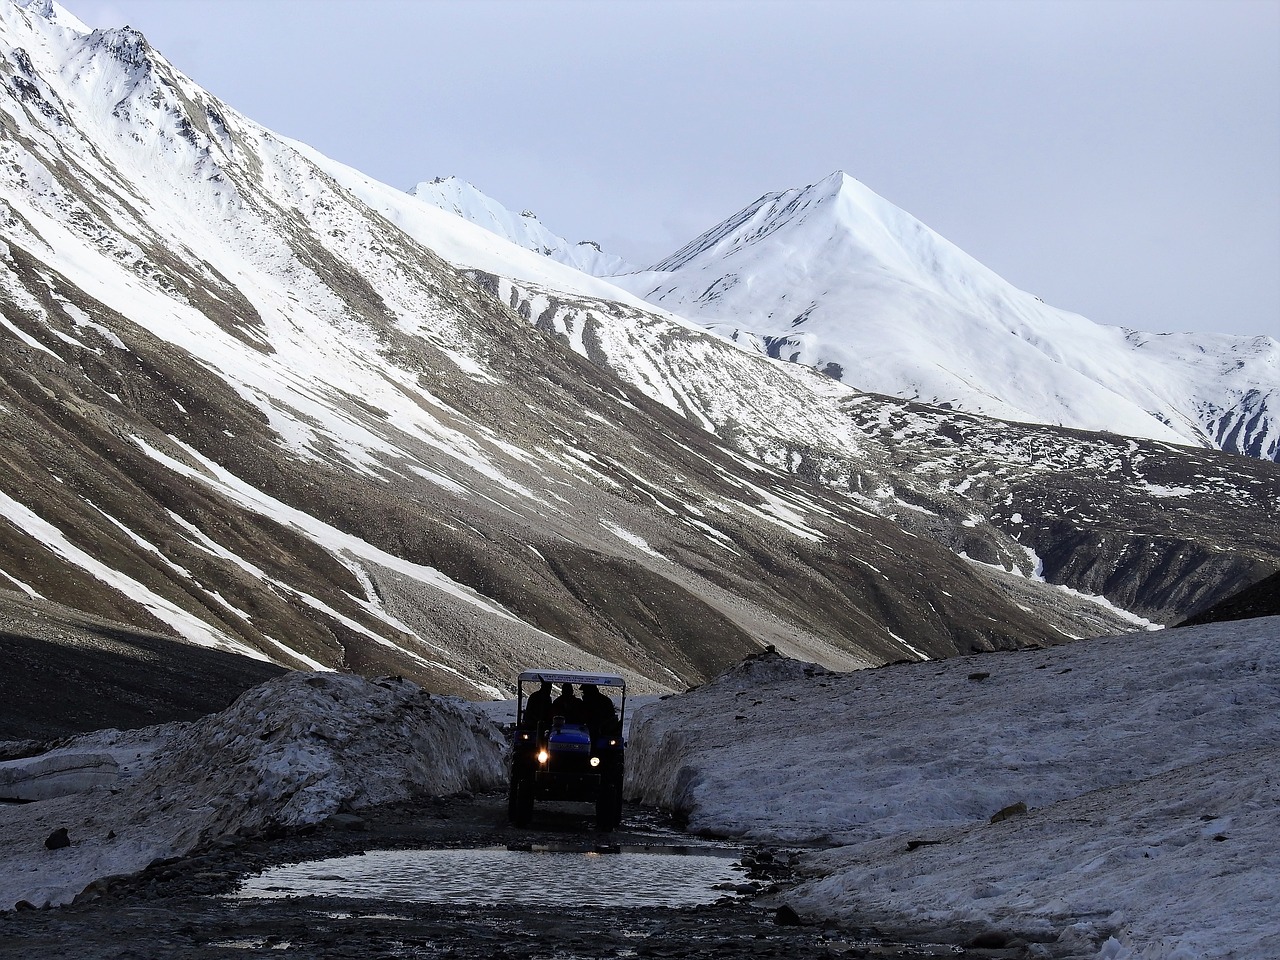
1174	866
1147	763
461	198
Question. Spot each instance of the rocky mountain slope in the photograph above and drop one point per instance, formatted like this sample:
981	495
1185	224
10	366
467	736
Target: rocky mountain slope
252	399
1260	599
68	672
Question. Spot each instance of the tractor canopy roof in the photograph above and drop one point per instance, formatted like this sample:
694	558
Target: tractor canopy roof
572	676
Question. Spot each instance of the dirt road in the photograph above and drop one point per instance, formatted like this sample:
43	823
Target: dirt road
185	910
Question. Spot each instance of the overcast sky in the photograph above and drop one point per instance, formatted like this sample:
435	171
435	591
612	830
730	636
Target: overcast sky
1120	159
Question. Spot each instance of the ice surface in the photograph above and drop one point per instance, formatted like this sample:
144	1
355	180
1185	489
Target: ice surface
55	774
1148	763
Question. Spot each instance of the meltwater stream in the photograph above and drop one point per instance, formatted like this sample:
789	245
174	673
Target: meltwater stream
616	876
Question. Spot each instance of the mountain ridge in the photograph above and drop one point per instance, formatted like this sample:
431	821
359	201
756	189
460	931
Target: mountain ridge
255	399
1060	368
462	198
274	424
1031	362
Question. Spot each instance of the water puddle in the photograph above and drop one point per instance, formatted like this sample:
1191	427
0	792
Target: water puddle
616	876
253	944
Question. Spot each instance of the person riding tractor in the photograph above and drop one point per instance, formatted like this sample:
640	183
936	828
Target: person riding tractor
569	748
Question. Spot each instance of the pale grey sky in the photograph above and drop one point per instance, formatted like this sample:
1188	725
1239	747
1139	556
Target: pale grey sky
1118	158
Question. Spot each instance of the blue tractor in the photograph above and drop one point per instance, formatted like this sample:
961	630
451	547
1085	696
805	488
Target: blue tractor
568	747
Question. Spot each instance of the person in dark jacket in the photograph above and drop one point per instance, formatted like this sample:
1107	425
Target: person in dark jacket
568	705
602	716
537	712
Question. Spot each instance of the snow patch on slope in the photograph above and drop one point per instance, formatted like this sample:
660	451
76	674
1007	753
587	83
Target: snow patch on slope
523	229
185	624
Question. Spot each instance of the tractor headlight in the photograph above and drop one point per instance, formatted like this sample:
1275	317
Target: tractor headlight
543	756
595	761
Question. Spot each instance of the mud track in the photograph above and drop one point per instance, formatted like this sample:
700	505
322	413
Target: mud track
183	910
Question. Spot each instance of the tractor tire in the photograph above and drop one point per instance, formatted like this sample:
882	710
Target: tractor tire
609	807
520	801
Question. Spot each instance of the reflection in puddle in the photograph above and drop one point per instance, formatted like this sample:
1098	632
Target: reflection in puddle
616	876
254	944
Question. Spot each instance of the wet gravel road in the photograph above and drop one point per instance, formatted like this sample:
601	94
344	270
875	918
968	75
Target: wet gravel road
185	910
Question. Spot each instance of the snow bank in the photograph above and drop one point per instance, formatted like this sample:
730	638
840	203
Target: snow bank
1147	764
56	774
1176	866
289	752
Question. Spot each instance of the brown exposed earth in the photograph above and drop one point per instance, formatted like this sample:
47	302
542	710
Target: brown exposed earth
1261	599
69	672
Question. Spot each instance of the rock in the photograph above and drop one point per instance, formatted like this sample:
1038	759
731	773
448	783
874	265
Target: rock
978	677
90	893
1013	810
917	844
57	840
20	749
348	821
785	916
989	940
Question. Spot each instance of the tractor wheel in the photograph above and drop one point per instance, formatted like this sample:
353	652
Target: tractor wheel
609	806
520	801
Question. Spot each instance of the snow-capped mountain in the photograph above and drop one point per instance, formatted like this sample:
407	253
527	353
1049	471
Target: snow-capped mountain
252	398
246	407
523	229
835	277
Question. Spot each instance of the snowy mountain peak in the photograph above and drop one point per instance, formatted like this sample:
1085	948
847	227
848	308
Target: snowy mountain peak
838	220
52	12
755	223
524	229
835	277
125	44
41	8
257	400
